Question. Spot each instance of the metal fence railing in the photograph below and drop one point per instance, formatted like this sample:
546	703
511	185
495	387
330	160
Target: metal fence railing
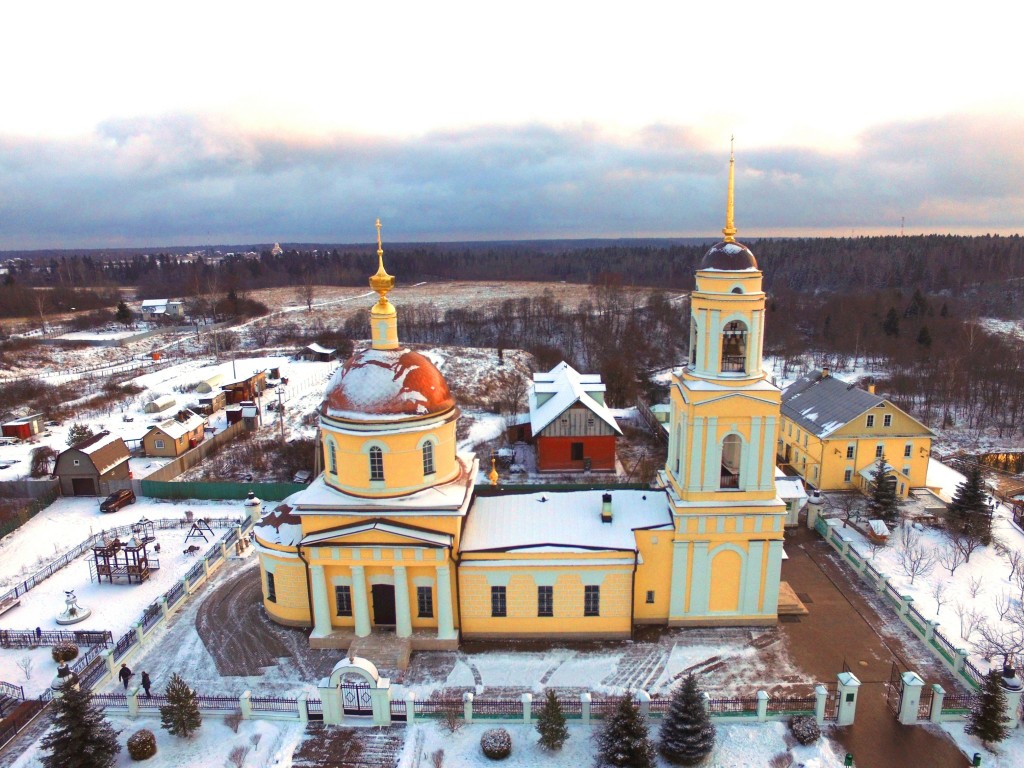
11	691
274	704
30	638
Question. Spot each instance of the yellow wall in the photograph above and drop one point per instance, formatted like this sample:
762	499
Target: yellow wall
824	463
653	574
568	584
292	605
402	454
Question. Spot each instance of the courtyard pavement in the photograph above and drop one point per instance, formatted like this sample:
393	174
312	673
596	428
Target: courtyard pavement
849	623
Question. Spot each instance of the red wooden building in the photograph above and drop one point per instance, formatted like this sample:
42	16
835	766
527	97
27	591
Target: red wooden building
573	429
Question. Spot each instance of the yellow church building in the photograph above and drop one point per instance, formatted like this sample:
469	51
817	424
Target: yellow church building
394	538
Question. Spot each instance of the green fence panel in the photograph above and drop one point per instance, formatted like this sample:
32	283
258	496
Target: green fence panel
222	490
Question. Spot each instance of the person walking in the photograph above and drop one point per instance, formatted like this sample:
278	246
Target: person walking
146	683
124	675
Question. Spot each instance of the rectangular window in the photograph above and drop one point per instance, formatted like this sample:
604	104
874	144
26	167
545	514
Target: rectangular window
343	600
907	449
376	464
545	601
77	462
871	420
425	602
159	443
849	451
879	449
498	607
847	475
805	439
791	429
650	596
887	420
815	473
271	590
591	601
428	458
906	471
577	451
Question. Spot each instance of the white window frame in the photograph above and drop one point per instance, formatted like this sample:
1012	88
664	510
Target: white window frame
871	421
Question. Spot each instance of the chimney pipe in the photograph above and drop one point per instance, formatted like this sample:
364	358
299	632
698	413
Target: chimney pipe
824	373
871	388
606	508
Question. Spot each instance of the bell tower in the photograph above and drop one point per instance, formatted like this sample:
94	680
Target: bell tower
720	472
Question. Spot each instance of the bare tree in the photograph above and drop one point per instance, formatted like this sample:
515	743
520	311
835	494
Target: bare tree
966	543
917	560
1013	558
1000	640
306	289
25	665
974	586
951	557
845	505
939	595
968	621
876	546
1003	604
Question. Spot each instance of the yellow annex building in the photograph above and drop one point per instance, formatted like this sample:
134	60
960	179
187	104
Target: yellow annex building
394	537
834	433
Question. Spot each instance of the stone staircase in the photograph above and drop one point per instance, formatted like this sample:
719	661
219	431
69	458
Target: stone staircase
389	652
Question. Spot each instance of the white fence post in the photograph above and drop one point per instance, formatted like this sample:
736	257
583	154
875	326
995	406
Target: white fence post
585	700
762	706
644	700
132	698
527	703
938	696
820	700
467	706
245	704
301	702
410	708
848	689
910	699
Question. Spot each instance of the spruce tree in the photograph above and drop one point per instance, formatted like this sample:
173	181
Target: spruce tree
551	723
123	314
969	512
987	719
81	736
180	716
687	734
623	742
883	504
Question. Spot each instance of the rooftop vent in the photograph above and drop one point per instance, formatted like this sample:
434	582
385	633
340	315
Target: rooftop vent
606	507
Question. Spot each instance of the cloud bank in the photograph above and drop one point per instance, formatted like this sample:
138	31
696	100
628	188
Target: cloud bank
183	179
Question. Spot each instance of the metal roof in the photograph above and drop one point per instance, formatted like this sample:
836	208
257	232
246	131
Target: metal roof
821	405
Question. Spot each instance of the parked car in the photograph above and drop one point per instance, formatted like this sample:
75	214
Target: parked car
118	499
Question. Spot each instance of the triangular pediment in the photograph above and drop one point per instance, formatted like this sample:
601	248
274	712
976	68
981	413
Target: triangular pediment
377	532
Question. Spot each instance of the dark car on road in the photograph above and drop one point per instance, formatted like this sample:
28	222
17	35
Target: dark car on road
118	499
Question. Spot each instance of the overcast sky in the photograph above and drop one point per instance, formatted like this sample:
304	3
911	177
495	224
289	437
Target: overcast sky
215	122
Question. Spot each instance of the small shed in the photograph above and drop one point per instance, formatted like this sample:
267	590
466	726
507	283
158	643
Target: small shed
213	402
160	404
248	388
25	427
318	353
878	531
172	437
212	384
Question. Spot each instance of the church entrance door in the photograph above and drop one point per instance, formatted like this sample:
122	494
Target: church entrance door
383	604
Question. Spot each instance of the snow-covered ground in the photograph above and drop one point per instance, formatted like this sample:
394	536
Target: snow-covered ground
958	602
267	744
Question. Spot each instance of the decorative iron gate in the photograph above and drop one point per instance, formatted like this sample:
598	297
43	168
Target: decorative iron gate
355	699
894	690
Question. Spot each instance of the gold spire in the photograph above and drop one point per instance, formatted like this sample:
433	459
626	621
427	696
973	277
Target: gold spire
381	282
730	225
493	474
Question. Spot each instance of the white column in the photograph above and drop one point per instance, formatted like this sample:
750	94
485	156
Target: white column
321	604
911	698
445	620
849	687
403	616
360	607
696	450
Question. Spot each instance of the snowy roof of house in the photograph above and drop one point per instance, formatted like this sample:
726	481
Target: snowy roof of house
562	522
790	488
163	402
314	347
104	450
567	387
821	405
878	527
249	412
154	303
175	429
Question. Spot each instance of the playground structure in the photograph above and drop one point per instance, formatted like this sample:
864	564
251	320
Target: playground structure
116	560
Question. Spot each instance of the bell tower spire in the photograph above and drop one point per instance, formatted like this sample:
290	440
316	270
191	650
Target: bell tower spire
383	317
730	224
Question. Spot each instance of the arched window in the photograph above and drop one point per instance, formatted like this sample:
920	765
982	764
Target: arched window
376	464
732	451
734	347
693	343
428	458
332	453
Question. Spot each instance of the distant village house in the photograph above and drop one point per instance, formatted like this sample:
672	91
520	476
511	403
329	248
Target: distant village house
24	428
160	309
94	466
172	437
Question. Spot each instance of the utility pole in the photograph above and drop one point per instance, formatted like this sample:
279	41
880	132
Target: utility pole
280	412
